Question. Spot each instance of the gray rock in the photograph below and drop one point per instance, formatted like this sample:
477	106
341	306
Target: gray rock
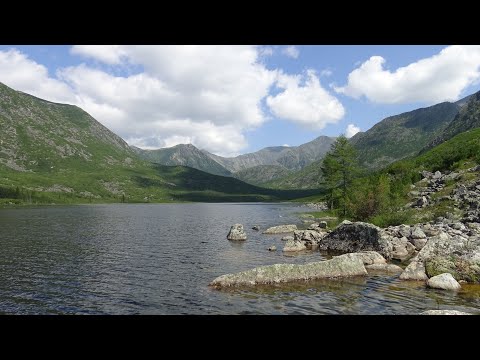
437	175
294	245
419	243
314	226
370	257
389	268
286	238
422	202
402	249
340	266
459	226
444	281
237	233
323	224
404	231
281	229
272	248
444	312
308	237
353	237
414	271
255	227
418	233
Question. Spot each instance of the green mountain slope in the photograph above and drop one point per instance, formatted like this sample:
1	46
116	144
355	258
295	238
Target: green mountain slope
57	153
183	154
309	177
260	174
290	157
403	135
468	118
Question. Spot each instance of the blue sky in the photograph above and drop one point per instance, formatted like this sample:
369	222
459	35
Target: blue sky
237	99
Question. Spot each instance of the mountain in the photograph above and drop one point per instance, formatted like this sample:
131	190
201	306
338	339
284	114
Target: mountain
261	174
310	177
58	153
289	157
467	118
403	135
183	154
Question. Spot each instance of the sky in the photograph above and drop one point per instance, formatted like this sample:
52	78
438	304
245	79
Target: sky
237	99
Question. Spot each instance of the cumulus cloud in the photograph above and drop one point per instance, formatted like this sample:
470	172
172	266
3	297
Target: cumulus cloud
291	51
351	130
441	77
326	72
304	101
21	73
112	54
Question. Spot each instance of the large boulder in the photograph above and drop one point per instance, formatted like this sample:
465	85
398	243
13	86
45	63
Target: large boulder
388	268
339	266
310	238
350	237
444	281
237	233
370	257
281	229
402	249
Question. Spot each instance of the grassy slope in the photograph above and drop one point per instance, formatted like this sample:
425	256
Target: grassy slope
57	153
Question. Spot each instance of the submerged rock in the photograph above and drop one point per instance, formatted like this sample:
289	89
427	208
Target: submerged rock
350	237
444	281
255	227
339	266
444	312
272	248
281	229
237	233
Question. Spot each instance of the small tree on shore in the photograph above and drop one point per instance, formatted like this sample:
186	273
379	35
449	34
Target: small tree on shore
339	168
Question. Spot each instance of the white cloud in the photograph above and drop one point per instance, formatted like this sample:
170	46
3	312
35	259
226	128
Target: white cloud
112	54
266	51
326	72
291	51
441	77
21	73
206	95
308	104
351	130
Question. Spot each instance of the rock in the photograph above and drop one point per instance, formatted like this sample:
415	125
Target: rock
307	216
286	238
414	271
444	281
339	266
418	233
281	229
323	224
308	237
272	248
237	233
353	237
389	268
370	257
402	249
437	175
255	227
294	245
308	221
444	312
314	226
404	231
459	226
422	202
419	243
462	269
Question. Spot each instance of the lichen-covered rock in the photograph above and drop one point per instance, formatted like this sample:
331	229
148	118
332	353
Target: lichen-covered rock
314	226
418	233
309	237
414	271
286	238
339	266
350	237
388	268
444	312
444	281
281	229
460	268
369	257
402	249
237	233
294	245
419	243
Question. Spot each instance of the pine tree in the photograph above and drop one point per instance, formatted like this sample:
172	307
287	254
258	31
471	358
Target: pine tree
339	168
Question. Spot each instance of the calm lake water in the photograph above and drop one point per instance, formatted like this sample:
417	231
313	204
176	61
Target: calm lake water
159	259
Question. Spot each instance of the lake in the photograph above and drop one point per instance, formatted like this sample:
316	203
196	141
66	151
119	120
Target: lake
159	259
